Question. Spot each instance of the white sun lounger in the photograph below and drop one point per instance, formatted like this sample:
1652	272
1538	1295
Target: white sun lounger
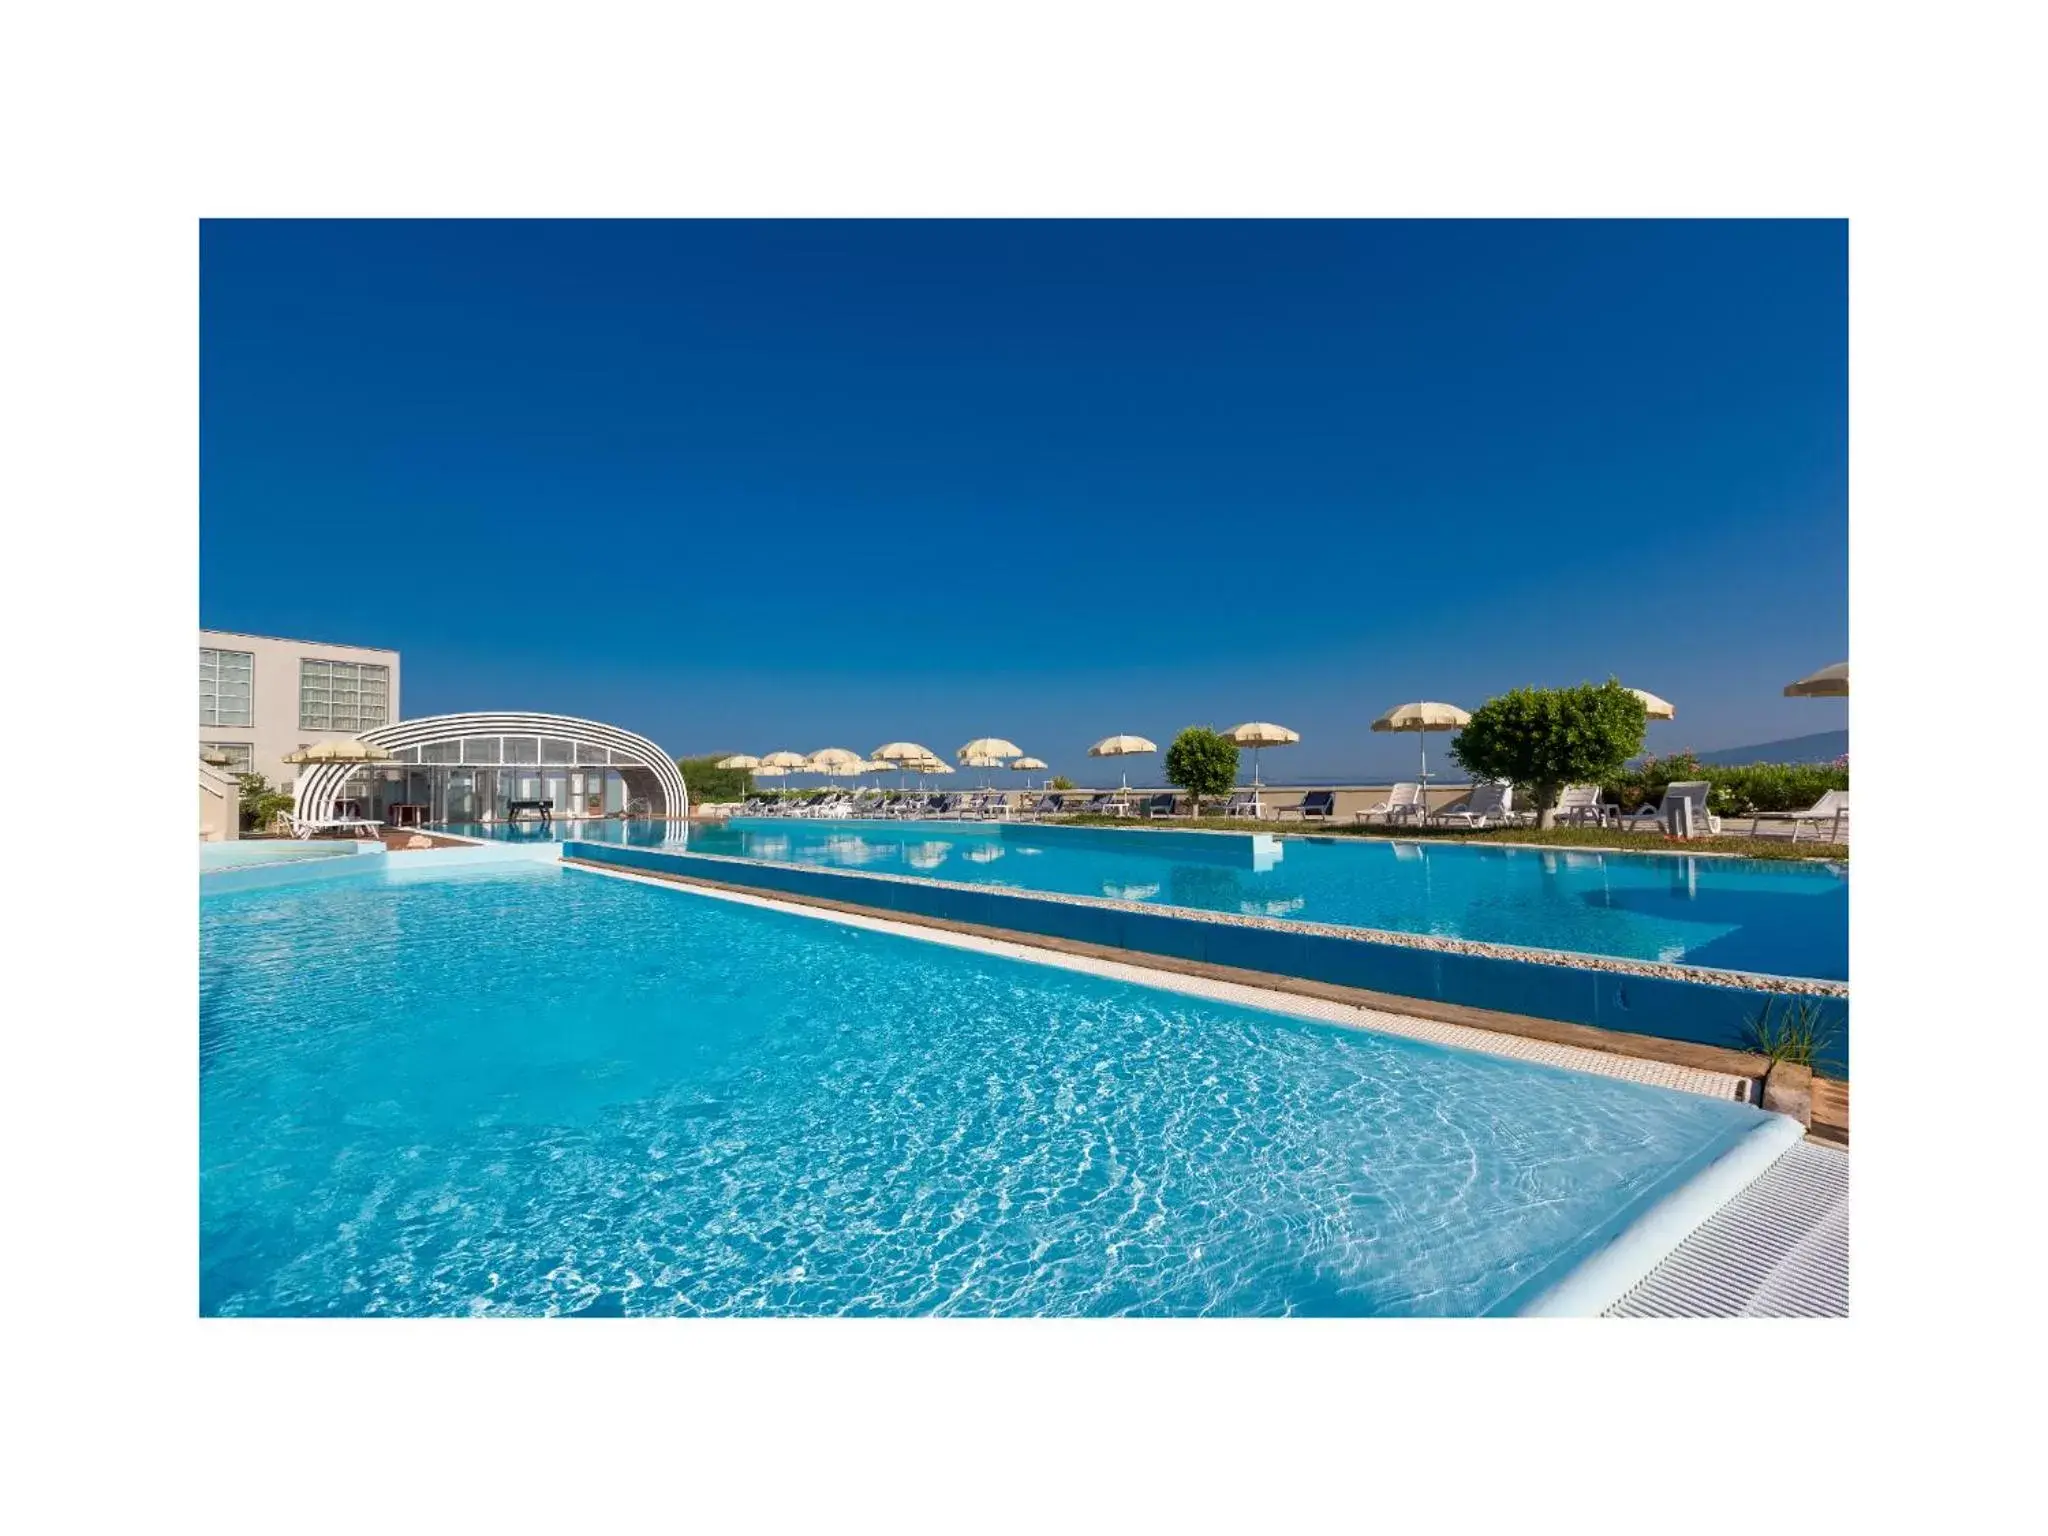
1487	806
1404	802
352	826
1694	790
1832	807
1578	804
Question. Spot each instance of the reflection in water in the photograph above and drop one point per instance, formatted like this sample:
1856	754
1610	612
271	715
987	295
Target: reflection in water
1271	908
1790	920
852	850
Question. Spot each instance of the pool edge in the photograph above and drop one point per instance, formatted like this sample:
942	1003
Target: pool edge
1626	1258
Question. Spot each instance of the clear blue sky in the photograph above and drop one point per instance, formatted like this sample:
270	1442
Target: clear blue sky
749	486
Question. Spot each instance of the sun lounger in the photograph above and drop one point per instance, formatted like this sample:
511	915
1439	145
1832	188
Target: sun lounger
1831	808
1316	805
341	826
1242	802
1487	806
1578	804
1166	804
1404	802
1693	790
1109	803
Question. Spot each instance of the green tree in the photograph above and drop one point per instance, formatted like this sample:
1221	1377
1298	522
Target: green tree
1203	763
1062	782
710	784
261	805
1541	739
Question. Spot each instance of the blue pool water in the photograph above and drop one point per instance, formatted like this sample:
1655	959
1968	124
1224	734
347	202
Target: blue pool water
538	1090
1778	918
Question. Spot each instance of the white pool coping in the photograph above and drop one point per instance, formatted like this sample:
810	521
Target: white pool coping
1595	1283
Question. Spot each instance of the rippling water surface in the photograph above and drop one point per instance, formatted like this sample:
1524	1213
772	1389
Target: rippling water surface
542	1091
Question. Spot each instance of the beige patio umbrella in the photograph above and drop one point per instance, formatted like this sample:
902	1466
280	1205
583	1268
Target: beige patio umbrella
1422	717
982	760
834	762
1828	683
901	755
1122	746
1027	765
778	765
739	760
1261	733
1654	707
988	746
356	752
339	752
213	757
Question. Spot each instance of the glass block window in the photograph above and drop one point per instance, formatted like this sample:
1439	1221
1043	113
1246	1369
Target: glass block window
480	749
556	751
343	695
224	686
586	753
441	752
522	749
241	757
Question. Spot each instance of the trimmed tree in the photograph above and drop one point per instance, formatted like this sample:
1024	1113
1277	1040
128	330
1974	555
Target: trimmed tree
260	804
1541	739
710	784
1202	762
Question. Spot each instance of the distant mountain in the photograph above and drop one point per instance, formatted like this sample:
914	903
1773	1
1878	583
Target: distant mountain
1821	747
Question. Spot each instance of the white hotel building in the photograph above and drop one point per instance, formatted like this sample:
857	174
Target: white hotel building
261	697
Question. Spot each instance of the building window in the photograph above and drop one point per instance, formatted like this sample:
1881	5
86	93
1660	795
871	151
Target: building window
224	679
343	695
239	754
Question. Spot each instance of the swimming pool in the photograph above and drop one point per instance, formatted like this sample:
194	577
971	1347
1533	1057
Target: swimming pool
531	1089
249	852
1777	918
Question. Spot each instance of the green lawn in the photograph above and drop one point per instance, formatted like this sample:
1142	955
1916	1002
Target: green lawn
1556	837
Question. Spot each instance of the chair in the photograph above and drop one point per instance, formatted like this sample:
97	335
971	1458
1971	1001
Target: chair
1045	805
1404	802
1487	806
1317	804
1164	804
1109	803
1693	790
1242	802
1578	804
1831	807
